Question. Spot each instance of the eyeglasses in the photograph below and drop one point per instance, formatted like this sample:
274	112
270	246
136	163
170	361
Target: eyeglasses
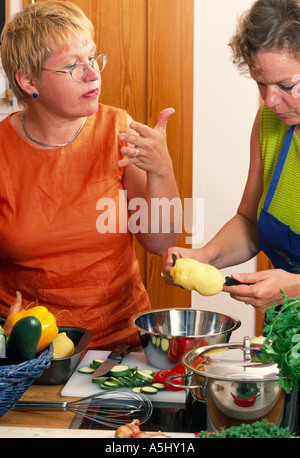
79	71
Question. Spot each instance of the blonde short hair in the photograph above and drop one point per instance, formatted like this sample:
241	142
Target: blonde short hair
29	37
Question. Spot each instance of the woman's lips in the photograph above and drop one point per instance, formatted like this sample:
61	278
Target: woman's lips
282	115
91	94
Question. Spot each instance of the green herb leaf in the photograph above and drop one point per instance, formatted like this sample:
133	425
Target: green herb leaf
282	343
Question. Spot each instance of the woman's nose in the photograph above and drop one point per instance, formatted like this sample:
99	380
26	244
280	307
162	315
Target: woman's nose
93	74
271	97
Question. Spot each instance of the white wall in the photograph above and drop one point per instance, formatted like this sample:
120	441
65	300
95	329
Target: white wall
225	104
15	6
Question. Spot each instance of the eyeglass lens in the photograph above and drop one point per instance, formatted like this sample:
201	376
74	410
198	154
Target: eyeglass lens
81	70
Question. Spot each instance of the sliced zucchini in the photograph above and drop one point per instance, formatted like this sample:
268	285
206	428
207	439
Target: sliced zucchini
122	381
109	385
120	370
100	379
137	381
164	344
97	362
148	390
148	371
137	389
159	386
86	370
144	376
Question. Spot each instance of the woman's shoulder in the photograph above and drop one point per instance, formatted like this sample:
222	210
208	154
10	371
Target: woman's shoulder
4	122
110	110
110	118
8	135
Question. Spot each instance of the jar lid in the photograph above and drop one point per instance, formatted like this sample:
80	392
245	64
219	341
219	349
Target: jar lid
236	362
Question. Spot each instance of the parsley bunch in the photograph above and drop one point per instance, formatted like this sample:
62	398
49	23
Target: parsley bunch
282	343
259	430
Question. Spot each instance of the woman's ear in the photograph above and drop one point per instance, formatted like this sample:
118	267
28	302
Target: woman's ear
26	82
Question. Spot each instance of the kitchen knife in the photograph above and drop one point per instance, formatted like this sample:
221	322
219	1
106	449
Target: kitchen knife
114	358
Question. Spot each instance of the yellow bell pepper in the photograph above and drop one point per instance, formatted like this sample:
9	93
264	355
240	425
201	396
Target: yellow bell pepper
48	322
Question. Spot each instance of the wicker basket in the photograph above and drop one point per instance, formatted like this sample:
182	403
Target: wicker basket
16	379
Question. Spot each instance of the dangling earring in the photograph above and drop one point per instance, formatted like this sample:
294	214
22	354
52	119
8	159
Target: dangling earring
35	95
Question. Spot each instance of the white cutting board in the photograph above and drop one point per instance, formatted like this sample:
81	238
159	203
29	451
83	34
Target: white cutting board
80	385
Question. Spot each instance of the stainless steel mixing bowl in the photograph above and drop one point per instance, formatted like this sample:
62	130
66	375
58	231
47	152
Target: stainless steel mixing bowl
166	335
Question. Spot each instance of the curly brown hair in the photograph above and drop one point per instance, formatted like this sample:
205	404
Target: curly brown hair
269	25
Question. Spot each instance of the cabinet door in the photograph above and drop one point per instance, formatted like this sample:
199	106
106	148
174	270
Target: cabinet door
150	67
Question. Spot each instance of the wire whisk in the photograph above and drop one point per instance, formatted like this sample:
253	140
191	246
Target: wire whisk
108	408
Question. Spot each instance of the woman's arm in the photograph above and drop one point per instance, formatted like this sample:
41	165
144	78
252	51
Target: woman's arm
150	184
236	242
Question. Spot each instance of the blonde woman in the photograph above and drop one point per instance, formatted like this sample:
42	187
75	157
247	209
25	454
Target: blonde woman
64	159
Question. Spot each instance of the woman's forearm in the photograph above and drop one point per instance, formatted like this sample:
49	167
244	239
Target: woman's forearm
165	212
234	244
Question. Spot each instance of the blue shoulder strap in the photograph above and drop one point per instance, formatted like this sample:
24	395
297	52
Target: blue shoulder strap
278	168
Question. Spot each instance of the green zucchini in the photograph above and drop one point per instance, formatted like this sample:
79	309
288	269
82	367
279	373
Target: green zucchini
97	362
159	386
137	389
23	340
164	344
100	379
148	390
120	370
86	370
110	385
148	371
144	376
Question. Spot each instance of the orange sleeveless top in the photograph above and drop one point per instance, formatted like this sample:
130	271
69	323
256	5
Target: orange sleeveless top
60	243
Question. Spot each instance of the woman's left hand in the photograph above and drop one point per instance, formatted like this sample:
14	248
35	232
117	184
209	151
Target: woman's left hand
146	147
263	288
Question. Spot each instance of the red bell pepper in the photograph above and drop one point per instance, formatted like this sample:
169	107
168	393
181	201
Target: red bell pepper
160	376
181	345
177	370
244	402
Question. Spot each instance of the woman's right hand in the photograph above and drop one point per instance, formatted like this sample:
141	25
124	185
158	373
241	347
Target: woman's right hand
168	260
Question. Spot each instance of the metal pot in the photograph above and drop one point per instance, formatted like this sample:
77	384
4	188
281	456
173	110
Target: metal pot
233	385
166	335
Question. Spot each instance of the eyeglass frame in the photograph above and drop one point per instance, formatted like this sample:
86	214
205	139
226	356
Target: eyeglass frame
77	65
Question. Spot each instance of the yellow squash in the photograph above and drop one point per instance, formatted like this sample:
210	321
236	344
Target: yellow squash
62	346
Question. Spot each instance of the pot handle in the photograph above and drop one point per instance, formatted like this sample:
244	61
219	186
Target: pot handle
176	385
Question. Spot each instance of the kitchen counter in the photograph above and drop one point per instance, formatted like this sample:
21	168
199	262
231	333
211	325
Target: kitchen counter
51	424
58	420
